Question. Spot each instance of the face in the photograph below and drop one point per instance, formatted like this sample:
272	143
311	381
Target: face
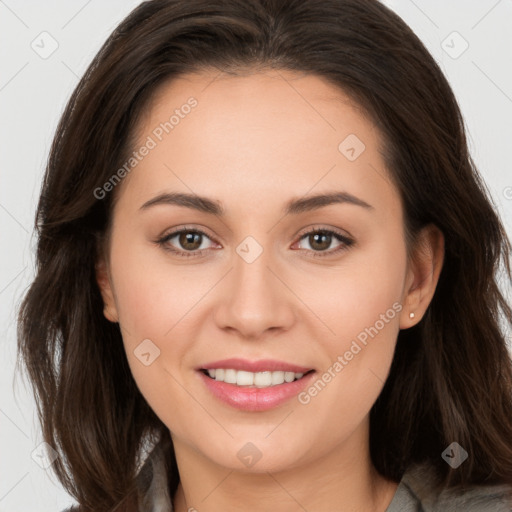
319	288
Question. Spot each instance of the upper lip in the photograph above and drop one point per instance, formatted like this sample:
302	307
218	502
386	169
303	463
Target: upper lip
255	366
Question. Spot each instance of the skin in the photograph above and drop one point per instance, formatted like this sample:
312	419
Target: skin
253	143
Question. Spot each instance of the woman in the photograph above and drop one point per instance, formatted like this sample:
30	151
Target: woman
267	271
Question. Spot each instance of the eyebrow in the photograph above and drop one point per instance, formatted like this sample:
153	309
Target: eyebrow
293	207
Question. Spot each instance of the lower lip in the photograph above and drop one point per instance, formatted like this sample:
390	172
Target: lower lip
255	399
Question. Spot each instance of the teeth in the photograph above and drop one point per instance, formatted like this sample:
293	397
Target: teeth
242	378
258	379
229	376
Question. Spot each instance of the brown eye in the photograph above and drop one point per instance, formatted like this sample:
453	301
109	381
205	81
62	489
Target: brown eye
320	240
190	240
185	242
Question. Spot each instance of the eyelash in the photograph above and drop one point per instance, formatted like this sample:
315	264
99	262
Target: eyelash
346	242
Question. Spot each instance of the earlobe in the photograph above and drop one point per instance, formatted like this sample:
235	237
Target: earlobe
423	276
104	283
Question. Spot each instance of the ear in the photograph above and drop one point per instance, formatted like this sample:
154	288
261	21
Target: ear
105	284
423	274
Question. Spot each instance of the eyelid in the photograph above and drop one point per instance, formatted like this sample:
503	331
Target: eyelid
313	228
180	229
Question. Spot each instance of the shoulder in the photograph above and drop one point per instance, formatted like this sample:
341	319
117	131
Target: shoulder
151	482
418	483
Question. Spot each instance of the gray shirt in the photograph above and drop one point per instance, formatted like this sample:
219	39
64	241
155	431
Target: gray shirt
413	493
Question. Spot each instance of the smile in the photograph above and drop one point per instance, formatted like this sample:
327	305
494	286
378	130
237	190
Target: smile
254	391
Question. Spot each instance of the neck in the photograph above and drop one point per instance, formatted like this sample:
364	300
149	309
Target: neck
343	479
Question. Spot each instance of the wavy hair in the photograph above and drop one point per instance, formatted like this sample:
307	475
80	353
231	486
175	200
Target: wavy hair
451	377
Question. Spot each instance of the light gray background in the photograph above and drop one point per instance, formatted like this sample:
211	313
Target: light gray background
33	92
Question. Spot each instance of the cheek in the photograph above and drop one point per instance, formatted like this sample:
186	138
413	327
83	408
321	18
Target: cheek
363	323
156	300
152	295
153	301
352	296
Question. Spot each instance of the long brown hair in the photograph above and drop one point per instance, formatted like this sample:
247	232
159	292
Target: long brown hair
451	377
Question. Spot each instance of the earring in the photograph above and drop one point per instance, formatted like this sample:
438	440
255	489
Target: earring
411	315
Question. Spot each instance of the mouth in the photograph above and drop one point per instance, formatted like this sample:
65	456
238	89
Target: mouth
254	386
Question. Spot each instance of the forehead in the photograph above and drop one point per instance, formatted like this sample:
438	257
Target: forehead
267	132
264	104
257	92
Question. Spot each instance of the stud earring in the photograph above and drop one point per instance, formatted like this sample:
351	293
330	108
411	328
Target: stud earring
411	315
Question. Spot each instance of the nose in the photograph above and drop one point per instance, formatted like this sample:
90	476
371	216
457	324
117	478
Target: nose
255	299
